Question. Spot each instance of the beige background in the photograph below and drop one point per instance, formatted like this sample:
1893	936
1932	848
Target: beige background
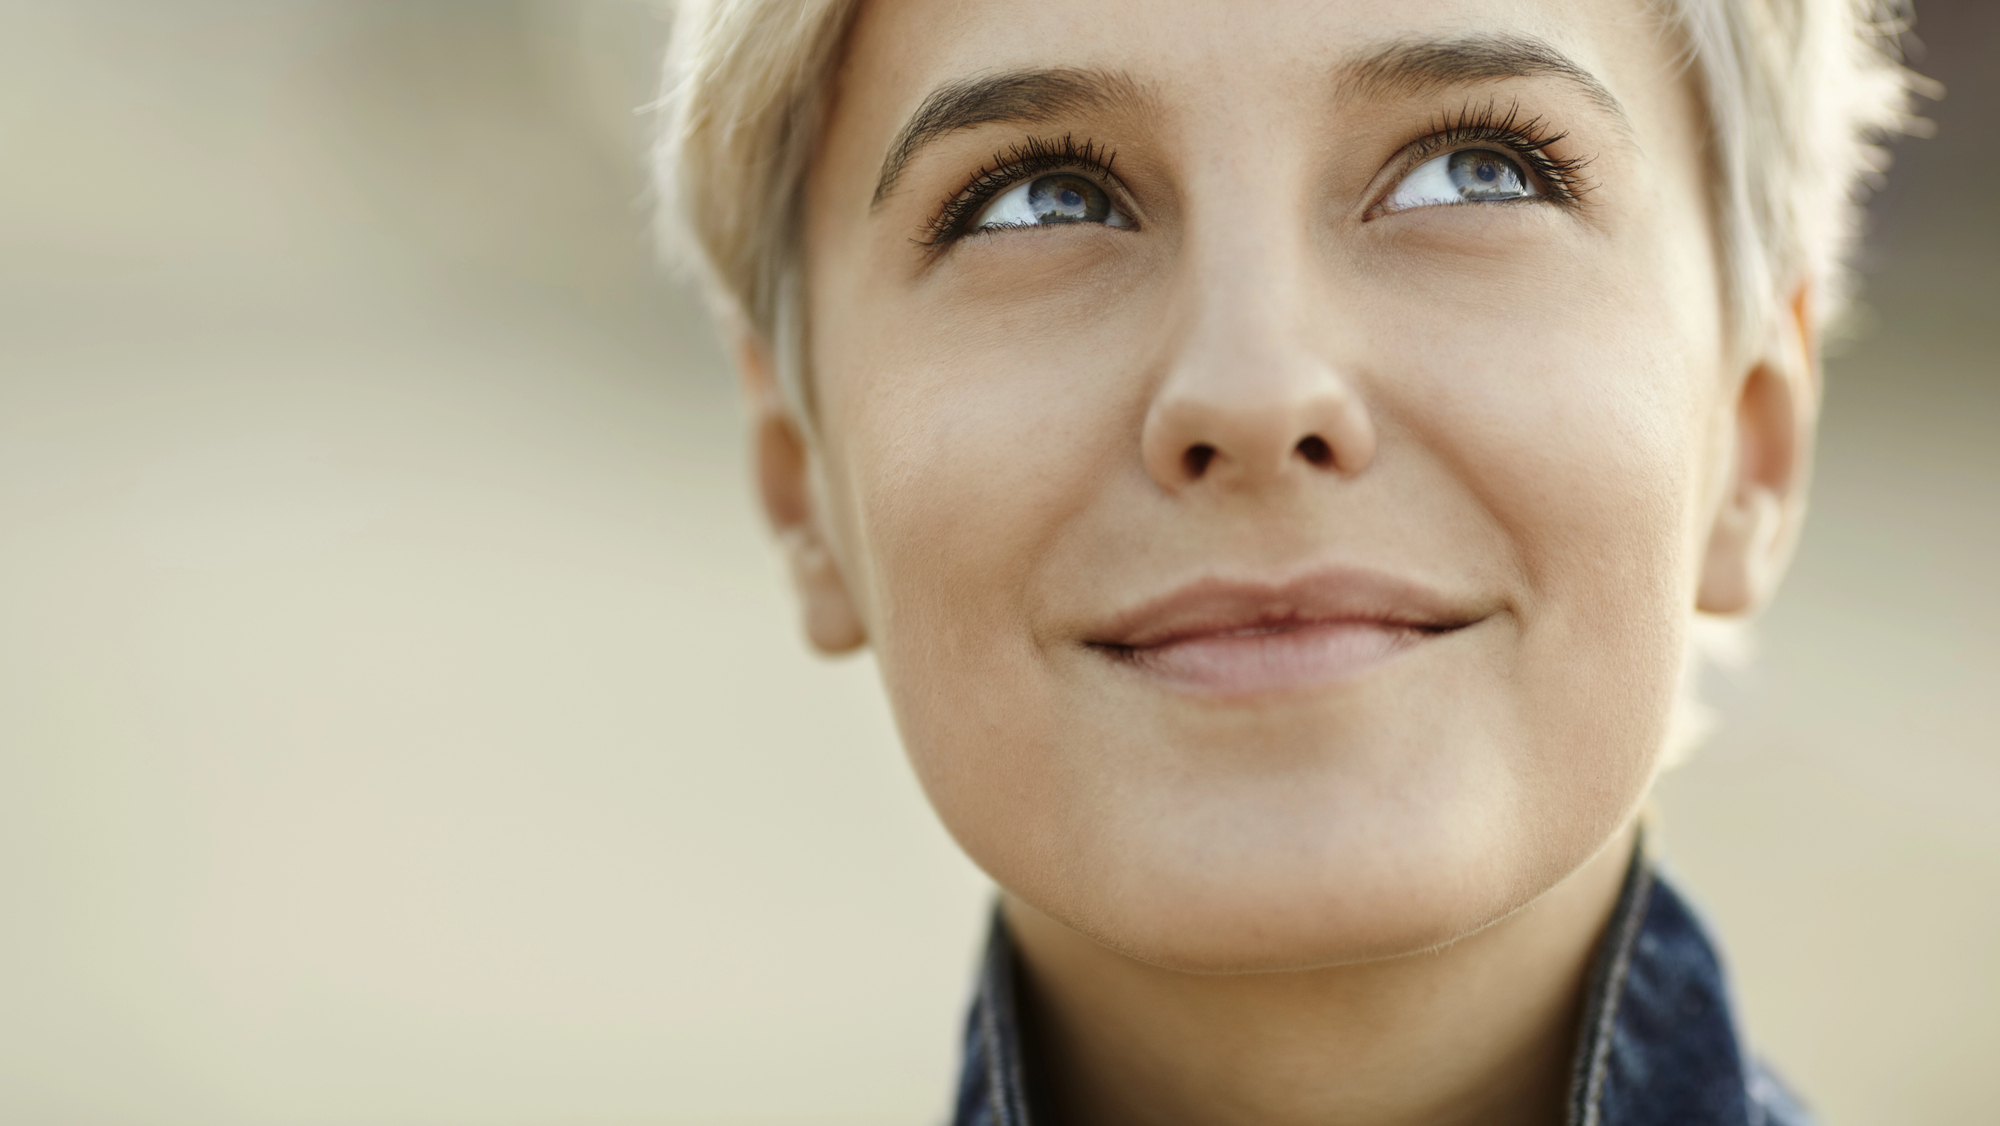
401	720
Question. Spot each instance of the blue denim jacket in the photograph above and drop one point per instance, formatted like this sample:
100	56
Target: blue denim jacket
1658	1045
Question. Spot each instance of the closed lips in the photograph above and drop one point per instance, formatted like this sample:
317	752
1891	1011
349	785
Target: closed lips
1226	637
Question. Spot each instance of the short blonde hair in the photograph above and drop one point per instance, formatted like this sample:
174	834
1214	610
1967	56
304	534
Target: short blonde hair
1799	93
741	107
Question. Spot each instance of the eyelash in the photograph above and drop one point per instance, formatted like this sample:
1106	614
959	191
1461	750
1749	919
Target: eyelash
1021	161
1529	140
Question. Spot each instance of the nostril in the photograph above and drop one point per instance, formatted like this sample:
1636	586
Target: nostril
1197	458
1314	449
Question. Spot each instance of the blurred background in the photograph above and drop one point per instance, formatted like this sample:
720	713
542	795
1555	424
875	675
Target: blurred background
402	720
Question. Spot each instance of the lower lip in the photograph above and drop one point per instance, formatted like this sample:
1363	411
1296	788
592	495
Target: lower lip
1275	660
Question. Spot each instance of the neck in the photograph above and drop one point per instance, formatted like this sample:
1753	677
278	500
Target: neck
1482	1031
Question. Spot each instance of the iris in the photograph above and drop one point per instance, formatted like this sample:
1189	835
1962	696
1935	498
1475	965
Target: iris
1464	176
1059	197
1481	174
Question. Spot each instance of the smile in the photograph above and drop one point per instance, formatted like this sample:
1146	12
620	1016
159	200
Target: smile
1235	638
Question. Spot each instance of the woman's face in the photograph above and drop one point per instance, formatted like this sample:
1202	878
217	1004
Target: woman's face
1271	447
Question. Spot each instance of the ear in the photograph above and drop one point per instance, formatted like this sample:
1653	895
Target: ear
1761	501
783	460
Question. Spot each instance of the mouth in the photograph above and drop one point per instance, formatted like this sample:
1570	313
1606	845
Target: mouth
1223	637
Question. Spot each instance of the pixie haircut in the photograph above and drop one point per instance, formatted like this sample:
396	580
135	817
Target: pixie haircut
1799	95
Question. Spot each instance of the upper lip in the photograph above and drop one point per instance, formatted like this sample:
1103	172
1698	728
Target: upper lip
1217	606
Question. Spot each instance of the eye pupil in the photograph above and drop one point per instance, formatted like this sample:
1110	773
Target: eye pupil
1482	174
1053	199
1068	198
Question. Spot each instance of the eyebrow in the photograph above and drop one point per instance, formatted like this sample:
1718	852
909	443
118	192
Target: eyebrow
1406	67
1421	66
1025	96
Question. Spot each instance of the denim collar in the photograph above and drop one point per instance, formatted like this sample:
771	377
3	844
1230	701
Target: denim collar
1658	1045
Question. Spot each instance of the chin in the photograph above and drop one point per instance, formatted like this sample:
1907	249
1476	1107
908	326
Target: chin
1315	900
1383	819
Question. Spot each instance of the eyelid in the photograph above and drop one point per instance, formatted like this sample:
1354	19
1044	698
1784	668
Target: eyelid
1558	179
1033	156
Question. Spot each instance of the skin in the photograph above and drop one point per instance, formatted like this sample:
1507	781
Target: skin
1368	898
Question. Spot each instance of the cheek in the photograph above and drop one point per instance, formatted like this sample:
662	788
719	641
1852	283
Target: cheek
959	457
1572	414
1582	453
1569	394
1564	401
966	442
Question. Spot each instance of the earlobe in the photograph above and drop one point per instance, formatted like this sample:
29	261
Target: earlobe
783	463
1757	517
831	623
1745	554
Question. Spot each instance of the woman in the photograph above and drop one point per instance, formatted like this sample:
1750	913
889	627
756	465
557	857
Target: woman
1278	454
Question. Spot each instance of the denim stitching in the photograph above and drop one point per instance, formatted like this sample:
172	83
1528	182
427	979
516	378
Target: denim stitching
1003	1077
1595	1061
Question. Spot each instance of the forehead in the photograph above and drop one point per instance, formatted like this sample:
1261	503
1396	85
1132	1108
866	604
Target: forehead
1208	59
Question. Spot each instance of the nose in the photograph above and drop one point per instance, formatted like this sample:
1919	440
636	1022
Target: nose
1248	403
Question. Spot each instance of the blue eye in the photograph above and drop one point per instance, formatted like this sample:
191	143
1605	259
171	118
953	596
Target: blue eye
1465	176
1060	197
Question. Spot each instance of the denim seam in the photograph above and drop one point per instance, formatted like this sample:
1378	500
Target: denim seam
1002	1078
1630	920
